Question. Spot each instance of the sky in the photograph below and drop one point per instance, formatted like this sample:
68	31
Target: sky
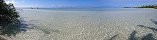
80	3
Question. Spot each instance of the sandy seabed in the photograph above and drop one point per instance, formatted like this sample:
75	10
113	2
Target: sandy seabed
122	24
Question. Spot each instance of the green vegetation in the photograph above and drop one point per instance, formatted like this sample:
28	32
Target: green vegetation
148	6
7	11
9	23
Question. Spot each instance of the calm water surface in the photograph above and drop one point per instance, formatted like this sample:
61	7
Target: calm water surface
104	24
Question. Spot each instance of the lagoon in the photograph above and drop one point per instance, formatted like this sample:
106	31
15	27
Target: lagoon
88	24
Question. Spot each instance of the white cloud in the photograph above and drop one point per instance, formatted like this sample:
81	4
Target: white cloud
10	1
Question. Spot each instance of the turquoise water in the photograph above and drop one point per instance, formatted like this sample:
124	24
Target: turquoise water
89	24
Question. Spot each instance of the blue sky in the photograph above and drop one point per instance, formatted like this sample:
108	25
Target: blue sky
80	3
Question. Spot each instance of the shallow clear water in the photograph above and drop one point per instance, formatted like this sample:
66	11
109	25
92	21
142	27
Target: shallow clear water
107	24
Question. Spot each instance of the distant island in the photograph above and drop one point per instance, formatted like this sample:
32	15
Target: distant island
146	6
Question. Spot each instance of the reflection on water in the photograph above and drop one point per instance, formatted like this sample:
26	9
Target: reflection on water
148	37
153	29
133	36
154	21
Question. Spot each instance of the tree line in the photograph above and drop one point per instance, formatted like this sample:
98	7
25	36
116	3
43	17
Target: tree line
145	6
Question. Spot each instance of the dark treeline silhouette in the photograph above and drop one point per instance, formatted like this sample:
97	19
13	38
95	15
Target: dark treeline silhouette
145	6
9	20
148	6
